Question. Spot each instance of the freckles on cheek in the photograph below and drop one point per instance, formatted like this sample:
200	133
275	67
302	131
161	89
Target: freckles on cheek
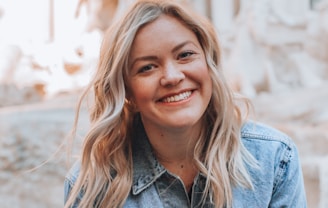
140	93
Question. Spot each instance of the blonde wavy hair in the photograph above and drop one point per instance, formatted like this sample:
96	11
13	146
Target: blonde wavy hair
106	162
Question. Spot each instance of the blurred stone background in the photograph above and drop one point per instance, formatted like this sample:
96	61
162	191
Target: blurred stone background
274	51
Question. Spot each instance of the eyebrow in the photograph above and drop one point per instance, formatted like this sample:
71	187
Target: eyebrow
181	45
150	58
144	58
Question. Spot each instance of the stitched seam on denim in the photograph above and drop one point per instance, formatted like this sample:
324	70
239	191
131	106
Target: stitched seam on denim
138	188
70	180
252	136
261	131
283	165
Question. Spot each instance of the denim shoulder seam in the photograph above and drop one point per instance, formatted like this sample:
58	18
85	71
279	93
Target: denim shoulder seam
258	131
252	136
283	166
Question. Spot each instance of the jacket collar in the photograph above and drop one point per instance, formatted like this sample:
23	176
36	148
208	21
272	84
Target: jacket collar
146	168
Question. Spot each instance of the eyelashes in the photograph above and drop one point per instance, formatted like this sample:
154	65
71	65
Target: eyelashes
185	54
182	58
146	68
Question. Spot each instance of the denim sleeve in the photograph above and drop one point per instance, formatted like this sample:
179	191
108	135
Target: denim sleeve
69	183
289	185
67	189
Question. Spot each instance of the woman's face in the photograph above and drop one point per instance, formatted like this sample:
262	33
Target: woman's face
169	79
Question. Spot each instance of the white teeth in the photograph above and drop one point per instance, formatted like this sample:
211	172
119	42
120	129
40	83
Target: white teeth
176	98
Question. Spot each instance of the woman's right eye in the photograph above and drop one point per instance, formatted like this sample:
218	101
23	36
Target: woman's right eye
145	68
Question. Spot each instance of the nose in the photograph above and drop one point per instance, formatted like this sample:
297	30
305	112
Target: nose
172	75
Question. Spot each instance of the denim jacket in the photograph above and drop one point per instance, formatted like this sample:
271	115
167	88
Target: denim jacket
277	183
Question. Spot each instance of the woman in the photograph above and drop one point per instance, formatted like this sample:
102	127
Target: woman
166	130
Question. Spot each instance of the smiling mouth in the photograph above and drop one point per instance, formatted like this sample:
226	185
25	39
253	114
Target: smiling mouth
177	98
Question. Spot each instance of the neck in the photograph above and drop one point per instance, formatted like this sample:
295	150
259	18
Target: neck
174	146
174	149
176	154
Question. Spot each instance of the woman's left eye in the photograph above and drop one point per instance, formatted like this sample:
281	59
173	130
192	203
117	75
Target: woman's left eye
185	54
146	68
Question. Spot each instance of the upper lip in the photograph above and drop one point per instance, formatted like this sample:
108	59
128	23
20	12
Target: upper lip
174	93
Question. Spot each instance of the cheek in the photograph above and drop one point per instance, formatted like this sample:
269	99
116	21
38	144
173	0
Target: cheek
202	71
141	92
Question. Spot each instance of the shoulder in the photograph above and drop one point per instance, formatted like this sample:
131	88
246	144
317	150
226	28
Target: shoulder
73	173
279	173
69	182
71	178
255	135
274	150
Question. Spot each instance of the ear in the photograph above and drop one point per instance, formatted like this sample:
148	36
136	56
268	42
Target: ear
129	100
131	105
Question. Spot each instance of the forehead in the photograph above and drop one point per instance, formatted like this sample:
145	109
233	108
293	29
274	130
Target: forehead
165	29
165	22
